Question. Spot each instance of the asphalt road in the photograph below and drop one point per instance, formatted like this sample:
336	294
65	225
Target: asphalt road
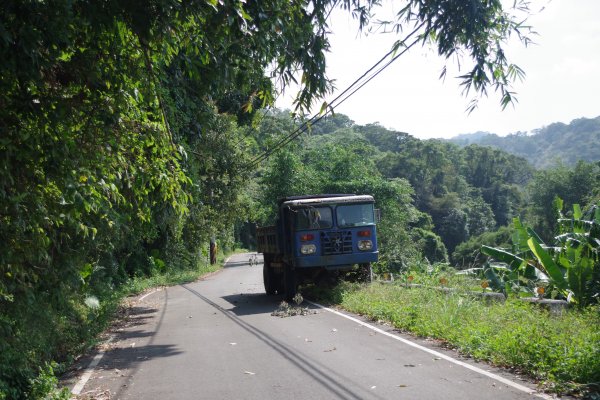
216	339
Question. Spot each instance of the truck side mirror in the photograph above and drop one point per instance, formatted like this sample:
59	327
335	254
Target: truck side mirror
377	215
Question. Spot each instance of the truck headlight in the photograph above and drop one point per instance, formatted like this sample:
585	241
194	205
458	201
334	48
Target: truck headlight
308	249
365	245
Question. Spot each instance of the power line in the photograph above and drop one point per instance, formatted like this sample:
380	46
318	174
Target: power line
331	106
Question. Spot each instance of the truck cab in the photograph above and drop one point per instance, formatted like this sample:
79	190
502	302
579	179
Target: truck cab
316	235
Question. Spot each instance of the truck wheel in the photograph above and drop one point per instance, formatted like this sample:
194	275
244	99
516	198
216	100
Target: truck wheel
269	279
290	283
365	272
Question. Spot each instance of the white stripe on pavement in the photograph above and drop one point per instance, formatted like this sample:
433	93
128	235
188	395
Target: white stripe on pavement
438	354
89	370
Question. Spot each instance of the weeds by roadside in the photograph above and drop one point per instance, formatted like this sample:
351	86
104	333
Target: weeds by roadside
560	351
52	334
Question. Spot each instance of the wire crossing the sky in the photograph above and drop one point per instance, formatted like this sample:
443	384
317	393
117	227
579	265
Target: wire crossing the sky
341	98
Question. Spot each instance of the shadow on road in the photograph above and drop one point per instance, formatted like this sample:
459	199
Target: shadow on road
256	303
137	316
130	357
253	303
125	335
128	354
321	374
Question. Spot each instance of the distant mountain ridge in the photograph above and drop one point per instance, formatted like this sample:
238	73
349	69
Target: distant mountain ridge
557	142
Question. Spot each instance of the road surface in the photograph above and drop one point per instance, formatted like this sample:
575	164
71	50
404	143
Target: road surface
216	339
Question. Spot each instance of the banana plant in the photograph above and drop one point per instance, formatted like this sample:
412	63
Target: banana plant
570	268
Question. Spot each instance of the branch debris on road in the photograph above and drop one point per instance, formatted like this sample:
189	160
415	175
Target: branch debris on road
287	310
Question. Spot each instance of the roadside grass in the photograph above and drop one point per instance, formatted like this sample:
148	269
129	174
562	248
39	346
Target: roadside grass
111	300
172	277
560	351
51	335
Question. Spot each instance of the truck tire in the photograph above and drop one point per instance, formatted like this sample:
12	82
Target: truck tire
290	282
269	278
365	273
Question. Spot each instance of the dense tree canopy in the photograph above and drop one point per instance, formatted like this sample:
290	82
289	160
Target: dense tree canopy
124	142
464	197
545	147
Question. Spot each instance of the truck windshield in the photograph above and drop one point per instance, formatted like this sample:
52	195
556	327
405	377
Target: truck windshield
314	218
355	215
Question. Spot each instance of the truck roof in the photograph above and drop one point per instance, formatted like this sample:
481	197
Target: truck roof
312	200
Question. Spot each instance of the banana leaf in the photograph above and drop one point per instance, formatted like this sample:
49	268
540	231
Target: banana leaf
490	274
513	261
519	237
551	268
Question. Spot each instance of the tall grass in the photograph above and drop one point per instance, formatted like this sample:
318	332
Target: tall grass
561	351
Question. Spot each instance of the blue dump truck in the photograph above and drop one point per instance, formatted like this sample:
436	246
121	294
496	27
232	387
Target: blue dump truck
315	237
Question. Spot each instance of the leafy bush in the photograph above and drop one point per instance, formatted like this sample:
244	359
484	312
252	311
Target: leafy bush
468	254
569	269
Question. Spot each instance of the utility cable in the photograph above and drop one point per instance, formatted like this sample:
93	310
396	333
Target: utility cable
331	106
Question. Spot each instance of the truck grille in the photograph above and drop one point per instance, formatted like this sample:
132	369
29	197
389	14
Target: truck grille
336	242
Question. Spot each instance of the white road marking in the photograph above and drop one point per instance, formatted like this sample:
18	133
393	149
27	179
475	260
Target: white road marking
89	370
148	294
438	354
94	363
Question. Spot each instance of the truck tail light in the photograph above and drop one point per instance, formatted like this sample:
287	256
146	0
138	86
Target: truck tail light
366	233
307	237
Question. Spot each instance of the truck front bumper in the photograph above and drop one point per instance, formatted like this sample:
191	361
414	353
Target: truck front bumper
336	261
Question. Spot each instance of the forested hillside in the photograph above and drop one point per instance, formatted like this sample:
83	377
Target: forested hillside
128	132
440	201
547	146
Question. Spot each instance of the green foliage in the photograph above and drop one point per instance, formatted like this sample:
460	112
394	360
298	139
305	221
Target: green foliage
121	148
466	191
457	28
543	148
116	160
468	254
429	245
570	268
343	163
573	185
44	386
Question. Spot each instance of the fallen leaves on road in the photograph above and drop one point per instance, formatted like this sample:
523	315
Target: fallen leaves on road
97	394
249	373
286	310
332	349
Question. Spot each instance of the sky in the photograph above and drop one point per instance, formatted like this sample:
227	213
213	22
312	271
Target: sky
562	80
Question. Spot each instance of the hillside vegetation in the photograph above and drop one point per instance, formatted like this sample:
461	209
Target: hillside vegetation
129	131
547	146
453	198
